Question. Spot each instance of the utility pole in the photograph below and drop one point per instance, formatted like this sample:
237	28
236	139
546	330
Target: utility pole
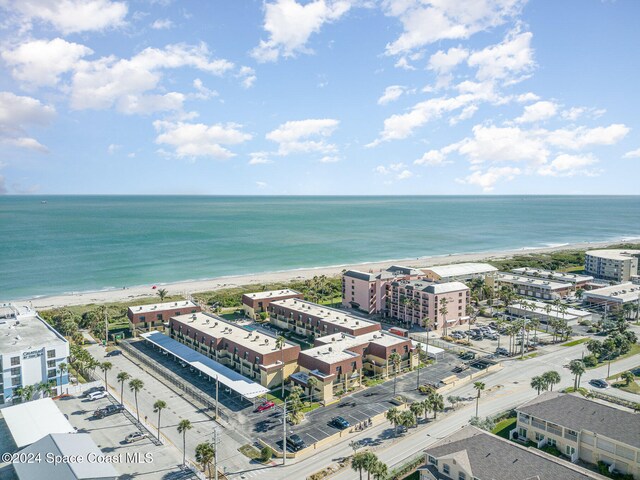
284	434
215	452
106	329
217	388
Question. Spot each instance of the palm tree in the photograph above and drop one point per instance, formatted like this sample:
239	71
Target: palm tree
417	408
427	406
312	382
162	293
105	367
538	383
358	462
183	426
479	386
437	403
407	419
122	377
395	359
443	311
551	378
62	367
628	377
158	406
280	343
393	415
135	386
379	470
205	453
577	368
370	461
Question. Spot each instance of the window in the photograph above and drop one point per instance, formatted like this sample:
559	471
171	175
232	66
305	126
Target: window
15	371
551	441
522	432
159	316
432	460
51	354
570	450
15	361
51	364
462	476
15	381
445	468
539	437
51	373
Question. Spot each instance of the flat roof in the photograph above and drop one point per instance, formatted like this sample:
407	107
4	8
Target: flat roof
271	294
228	377
400	270
162	306
613	254
435	288
330	353
578	413
461	269
623	292
541	309
260	342
430	350
538	282
27	332
344	340
30	421
561	276
329	315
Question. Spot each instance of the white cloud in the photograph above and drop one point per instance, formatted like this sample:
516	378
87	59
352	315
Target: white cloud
428	21
443	62
329	159
538	111
41	62
17	113
259	158
568	165
632	154
162	24
527	97
113	148
124	83
391	94
72	16
247	76
507	61
290	24
432	158
398	169
404	174
487	180
190	140
202	92
581	137
294	136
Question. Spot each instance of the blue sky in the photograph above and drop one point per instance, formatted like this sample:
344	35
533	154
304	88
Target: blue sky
319	97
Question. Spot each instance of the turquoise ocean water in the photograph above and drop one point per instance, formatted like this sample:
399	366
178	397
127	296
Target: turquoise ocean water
80	243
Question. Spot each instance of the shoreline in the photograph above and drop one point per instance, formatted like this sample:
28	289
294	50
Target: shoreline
129	294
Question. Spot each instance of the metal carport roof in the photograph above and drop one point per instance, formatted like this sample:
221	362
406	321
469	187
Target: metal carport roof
228	377
30	421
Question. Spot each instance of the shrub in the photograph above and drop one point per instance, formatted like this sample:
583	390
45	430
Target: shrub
265	454
590	361
585	323
264	315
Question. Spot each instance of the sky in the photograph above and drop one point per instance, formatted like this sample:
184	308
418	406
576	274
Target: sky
320	97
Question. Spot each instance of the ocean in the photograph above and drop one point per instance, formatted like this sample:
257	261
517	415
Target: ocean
84	243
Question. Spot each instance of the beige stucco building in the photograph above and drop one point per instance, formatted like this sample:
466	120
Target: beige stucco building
615	265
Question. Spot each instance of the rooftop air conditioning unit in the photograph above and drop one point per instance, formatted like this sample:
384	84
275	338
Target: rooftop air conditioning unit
330	349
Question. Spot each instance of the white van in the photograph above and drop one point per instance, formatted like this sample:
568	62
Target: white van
96	395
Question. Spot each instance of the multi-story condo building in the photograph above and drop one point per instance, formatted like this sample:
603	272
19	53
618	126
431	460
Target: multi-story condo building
531	286
582	429
339	361
310	319
474	454
411	301
253	354
615	265
613	297
577	280
367	291
31	352
459	271
256	303
153	317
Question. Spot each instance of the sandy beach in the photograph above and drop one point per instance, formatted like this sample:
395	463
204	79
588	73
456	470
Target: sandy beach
130	294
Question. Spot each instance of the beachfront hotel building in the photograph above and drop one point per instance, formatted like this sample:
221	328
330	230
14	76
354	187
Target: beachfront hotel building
31	351
411	301
614	265
582	429
253	354
577	280
531	286
340	361
368	291
256	303
614	296
459	272
313	320
147	318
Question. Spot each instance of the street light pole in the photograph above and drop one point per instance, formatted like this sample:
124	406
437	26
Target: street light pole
215	453
284	434
217	388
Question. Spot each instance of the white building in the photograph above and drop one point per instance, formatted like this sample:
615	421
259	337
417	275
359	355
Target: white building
546	312
578	280
459	271
532	286
30	352
616	265
614	296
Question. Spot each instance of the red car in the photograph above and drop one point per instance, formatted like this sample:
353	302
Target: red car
264	406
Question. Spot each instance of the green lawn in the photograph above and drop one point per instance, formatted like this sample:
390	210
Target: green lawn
250	451
635	350
575	342
503	427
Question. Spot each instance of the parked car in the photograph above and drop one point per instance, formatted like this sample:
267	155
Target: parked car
599	382
91	390
295	442
492	336
502	351
134	437
108	410
264	406
340	423
96	395
114	353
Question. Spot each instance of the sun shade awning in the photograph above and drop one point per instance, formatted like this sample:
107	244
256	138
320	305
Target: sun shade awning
226	376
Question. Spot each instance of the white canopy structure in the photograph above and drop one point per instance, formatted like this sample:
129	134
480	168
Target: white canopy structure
30	421
228	377
433	352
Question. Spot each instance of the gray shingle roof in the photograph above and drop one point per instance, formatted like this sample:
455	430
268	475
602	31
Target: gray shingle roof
578	413
360	275
490	457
